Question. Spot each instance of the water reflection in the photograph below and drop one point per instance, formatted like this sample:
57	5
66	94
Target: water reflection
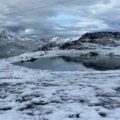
77	63
98	63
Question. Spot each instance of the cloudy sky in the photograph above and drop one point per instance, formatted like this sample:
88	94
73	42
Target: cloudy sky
66	18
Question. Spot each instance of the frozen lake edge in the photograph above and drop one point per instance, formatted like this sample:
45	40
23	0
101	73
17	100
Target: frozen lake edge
28	94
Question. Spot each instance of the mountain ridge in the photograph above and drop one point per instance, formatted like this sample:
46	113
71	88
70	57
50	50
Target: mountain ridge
12	44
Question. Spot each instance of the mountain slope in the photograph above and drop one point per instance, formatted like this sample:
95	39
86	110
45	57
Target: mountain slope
10	44
91	40
102	38
53	43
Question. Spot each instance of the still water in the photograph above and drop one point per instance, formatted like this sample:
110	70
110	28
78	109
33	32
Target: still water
69	63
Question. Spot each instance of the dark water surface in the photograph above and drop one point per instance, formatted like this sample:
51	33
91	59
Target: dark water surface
65	63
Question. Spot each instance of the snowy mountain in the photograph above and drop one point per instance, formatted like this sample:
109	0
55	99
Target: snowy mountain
13	44
89	94
59	40
7	37
92	40
54	43
102	38
10	44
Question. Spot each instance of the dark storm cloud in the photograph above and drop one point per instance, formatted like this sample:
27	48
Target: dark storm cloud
65	19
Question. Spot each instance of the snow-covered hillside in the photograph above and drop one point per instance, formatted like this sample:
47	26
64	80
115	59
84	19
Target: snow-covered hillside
10	44
54	43
102	38
36	94
13	44
28	94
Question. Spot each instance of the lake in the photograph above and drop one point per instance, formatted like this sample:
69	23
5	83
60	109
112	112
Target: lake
77	63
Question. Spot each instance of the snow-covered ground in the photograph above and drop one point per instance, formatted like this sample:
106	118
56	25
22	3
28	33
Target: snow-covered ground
27	94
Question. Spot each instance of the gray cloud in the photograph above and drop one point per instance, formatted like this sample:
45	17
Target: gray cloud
69	19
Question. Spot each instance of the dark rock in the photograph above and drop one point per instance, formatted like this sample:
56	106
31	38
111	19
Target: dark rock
74	116
43	48
48	46
30	60
111	54
93	54
32	105
117	89
102	114
71	45
22	61
99	38
5	108
102	38
33	59
99	35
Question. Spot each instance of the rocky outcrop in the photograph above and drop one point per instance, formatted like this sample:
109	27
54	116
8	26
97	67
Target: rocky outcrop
52	44
71	45
89	40
47	46
102	38
12	44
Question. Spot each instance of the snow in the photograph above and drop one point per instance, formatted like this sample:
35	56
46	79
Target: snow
28	94
59	40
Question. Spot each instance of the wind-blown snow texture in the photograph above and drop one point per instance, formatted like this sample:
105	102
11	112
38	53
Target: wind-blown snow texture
28	94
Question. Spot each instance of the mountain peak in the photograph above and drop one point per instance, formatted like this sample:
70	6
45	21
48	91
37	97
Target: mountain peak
7	35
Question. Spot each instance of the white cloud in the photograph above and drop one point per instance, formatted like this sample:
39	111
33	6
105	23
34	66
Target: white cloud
67	19
29	31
